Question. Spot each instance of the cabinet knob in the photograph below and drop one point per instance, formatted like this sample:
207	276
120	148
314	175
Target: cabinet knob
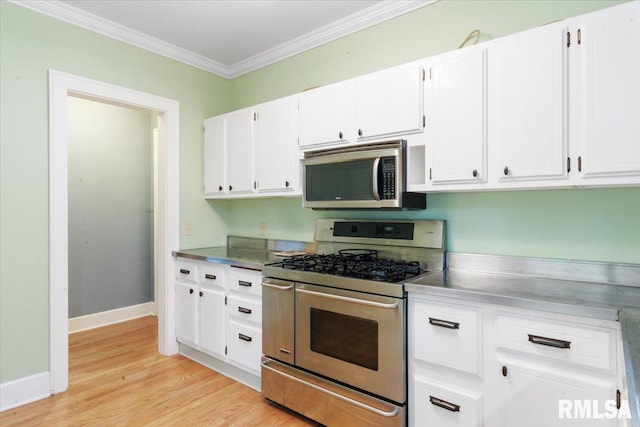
230	188
286	184
506	170
359	132
201	293
340	135
190	291
255	185
475	173
219	187
504	371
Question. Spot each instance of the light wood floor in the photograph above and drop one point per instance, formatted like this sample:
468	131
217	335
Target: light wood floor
117	378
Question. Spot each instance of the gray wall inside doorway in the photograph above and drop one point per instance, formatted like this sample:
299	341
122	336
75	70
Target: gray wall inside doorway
110	207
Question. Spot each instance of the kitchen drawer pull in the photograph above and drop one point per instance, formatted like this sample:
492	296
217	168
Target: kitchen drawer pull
244	283
280	288
444	404
347	299
244	310
369	408
210	276
551	342
184	271
244	337
444	323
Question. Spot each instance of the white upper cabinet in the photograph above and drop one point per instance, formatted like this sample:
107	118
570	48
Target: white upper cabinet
215	163
324	116
389	102
529	125
239	149
455	107
275	146
605	58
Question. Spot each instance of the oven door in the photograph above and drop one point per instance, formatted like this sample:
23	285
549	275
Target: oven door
352	337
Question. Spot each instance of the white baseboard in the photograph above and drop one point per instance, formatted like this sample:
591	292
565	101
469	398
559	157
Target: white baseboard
91	321
24	390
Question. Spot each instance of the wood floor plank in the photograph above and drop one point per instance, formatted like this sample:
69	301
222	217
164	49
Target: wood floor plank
118	378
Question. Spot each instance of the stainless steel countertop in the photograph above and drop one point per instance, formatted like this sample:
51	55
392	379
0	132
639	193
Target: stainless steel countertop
582	298
242	257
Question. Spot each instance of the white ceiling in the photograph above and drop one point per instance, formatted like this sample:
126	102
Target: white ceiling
226	37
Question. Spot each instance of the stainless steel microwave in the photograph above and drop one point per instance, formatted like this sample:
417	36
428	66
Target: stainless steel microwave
370	176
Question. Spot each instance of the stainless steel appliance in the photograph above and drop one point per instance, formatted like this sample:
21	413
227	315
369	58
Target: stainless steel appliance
370	176
334	323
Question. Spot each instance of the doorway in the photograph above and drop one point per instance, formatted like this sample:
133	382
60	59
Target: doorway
166	229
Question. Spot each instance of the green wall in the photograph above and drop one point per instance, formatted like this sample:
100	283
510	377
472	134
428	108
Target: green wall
30	45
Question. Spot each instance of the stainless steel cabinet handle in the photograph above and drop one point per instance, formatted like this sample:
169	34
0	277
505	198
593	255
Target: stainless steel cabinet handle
444	323
244	310
444	404
280	288
244	283
551	342
392	413
245	337
184	271
210	276
348	299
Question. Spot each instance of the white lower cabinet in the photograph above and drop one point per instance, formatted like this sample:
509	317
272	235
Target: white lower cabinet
219	312
442	406
477	364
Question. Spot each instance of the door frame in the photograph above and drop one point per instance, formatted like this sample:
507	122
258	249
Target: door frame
167	229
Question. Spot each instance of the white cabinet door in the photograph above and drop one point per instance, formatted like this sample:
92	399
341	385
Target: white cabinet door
275	145
455	103
239	130
539	395
324	116
215	160
185	313
436	405
529	111
389	102
607	70
212	321
244	345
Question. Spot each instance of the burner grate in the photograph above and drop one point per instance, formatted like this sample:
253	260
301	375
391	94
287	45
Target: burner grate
357	263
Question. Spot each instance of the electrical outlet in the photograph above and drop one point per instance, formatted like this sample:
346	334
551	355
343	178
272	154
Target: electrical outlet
263	225
188	229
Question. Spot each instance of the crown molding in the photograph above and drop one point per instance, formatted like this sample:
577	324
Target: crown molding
376	14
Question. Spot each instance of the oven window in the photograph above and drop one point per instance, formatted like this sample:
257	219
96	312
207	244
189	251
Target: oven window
348	338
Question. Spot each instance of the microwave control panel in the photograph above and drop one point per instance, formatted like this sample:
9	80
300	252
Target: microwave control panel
388	169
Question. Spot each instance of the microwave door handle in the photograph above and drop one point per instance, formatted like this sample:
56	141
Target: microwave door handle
376	165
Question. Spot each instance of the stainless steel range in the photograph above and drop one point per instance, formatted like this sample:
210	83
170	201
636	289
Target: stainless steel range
334	323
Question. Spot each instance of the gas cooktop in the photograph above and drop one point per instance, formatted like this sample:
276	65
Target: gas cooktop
357	263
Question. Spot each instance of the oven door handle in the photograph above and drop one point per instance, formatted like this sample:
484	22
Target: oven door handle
393	305
280	288
332	393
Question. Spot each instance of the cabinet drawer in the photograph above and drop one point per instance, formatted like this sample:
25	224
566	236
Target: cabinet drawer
434	405
186	271
448	335
243	280
244	345
212	275
246	309
576	344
